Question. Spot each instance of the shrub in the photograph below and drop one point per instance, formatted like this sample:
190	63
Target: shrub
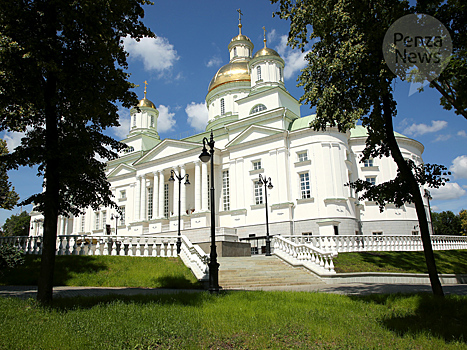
10	256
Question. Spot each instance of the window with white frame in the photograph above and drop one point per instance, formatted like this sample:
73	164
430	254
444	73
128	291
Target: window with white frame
305	189
123	194
152	121
371	179
302	156
150	202
235	52
258	192
280	74
97	223
258	72
368	163
258	108
222	106
83	222
121	209
256	164
134	120
225	190
104	219
166	200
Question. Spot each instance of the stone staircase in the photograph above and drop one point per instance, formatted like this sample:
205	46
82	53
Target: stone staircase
259	271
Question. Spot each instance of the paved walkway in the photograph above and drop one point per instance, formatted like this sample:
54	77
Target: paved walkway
347	289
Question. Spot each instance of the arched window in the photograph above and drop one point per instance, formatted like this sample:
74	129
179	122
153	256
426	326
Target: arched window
258	108
235	52
134	120
222	106
280	74
258	72
152	121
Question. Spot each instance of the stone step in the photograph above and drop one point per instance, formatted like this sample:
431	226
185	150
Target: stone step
261	271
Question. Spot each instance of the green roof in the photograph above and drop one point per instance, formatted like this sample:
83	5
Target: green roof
302	123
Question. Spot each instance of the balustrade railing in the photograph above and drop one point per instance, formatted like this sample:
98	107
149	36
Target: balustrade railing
304	254
360	243
155	246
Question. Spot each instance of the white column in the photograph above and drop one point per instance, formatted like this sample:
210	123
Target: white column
175	193
66	225
137	199
143	213
183	191
132	210
161	194
155	196
62	226
197	186
59	225
204	187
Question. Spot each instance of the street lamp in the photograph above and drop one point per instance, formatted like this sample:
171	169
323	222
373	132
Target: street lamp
267	184
116	217
187	182
213	264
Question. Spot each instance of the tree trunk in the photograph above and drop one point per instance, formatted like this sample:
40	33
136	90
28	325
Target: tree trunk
418	200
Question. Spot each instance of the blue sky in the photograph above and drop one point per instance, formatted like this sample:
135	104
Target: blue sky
191	45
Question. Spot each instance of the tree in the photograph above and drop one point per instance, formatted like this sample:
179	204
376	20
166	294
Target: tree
17	225
8	196
463	220
446	223
62	70
348	80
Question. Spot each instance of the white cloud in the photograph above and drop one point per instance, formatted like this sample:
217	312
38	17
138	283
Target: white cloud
157	54
215	61
448	191
166	120
434	208
459	167
197	115
462	133
271	36
420	129
122	131
13	139
294	58
442	138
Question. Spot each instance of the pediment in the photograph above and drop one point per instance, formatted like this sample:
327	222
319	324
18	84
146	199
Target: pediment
122	170
254	133
167	148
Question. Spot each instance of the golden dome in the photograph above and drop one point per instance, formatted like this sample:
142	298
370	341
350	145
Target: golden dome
146	103
231	72
266	51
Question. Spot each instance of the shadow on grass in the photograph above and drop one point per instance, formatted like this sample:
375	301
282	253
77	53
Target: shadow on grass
445	318
176	282
184	298
413	262
65	267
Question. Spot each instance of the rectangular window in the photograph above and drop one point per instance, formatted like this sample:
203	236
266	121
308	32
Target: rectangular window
258	193
83	222
368	163
225	190
122	194
122	216
150	202
302	156
371	179
104	219
256	165
97	225
305	189
166	200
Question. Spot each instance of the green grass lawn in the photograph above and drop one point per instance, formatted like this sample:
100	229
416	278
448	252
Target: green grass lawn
106	271
237	320
447	261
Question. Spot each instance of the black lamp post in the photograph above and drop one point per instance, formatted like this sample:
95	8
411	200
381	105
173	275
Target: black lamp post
187	182
213	264
267	184
116	217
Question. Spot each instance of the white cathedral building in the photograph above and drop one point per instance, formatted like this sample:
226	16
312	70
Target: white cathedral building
257	130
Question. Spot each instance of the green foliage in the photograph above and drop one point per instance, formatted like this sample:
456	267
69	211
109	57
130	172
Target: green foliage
463	220
10	256
17	225
237	320
107	271
446	223
8	196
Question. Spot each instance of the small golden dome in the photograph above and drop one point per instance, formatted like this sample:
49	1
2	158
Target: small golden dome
241	37
266	51
231	72
146	103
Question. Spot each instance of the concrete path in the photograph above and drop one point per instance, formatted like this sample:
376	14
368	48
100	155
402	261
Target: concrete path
347	289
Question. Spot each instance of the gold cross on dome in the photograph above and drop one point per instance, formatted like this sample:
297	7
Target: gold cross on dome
264	30
145	86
